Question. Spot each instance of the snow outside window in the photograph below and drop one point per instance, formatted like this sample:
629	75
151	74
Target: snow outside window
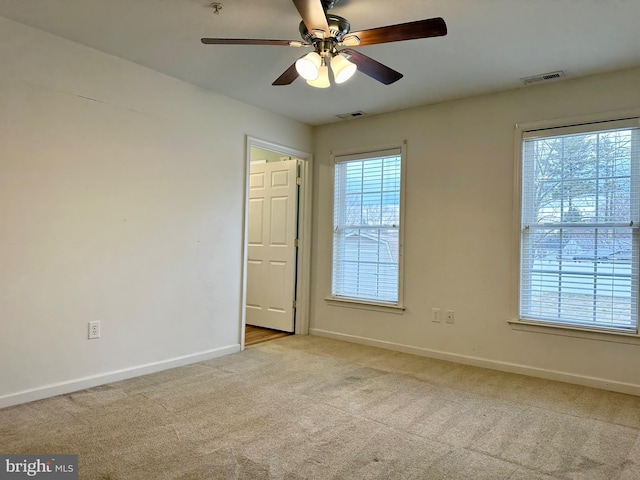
579	229
366	227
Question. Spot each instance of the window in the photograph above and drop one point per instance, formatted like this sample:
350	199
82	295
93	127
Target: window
366	227
579	226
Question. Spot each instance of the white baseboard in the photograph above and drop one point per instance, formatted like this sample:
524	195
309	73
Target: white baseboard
594	382
94	380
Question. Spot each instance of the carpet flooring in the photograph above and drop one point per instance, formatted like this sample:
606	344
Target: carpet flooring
313	408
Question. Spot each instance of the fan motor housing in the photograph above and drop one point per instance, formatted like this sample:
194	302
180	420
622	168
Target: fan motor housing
338	27
327	4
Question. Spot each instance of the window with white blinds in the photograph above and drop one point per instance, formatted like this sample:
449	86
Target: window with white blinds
579	231
366	227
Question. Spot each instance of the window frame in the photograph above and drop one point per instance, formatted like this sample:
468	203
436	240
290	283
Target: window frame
364	153
523	131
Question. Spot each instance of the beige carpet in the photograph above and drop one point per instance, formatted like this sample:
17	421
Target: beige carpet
308	407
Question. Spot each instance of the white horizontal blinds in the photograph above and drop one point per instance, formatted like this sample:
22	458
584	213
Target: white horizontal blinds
580	209
366	226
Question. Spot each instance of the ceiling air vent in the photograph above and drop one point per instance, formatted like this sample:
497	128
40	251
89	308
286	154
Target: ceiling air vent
543	77
357	114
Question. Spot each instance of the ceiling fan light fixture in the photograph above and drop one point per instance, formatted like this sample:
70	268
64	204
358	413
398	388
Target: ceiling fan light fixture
342	68
327	34
323	78
309	66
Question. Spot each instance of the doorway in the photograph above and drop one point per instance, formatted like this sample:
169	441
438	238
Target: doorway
275	288
257	335
272	252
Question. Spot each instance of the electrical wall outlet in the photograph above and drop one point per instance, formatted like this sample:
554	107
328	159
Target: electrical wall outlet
449	316
435	315
94	330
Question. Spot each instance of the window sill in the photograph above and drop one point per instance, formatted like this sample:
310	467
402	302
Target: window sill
351	303
575	332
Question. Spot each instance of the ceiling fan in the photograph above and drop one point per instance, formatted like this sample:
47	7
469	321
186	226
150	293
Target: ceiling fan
332	41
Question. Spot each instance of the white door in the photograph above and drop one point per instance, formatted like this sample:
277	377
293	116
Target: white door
271	268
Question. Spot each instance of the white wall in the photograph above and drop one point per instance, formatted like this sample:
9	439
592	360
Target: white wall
121	200
459	234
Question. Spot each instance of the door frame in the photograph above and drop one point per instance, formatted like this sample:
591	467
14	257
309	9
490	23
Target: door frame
304	234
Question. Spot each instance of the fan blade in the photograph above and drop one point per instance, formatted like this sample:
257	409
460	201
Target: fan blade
287	78
373	68
250	41
432	27
313	15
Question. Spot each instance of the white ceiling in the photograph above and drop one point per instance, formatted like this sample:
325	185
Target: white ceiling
491	44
